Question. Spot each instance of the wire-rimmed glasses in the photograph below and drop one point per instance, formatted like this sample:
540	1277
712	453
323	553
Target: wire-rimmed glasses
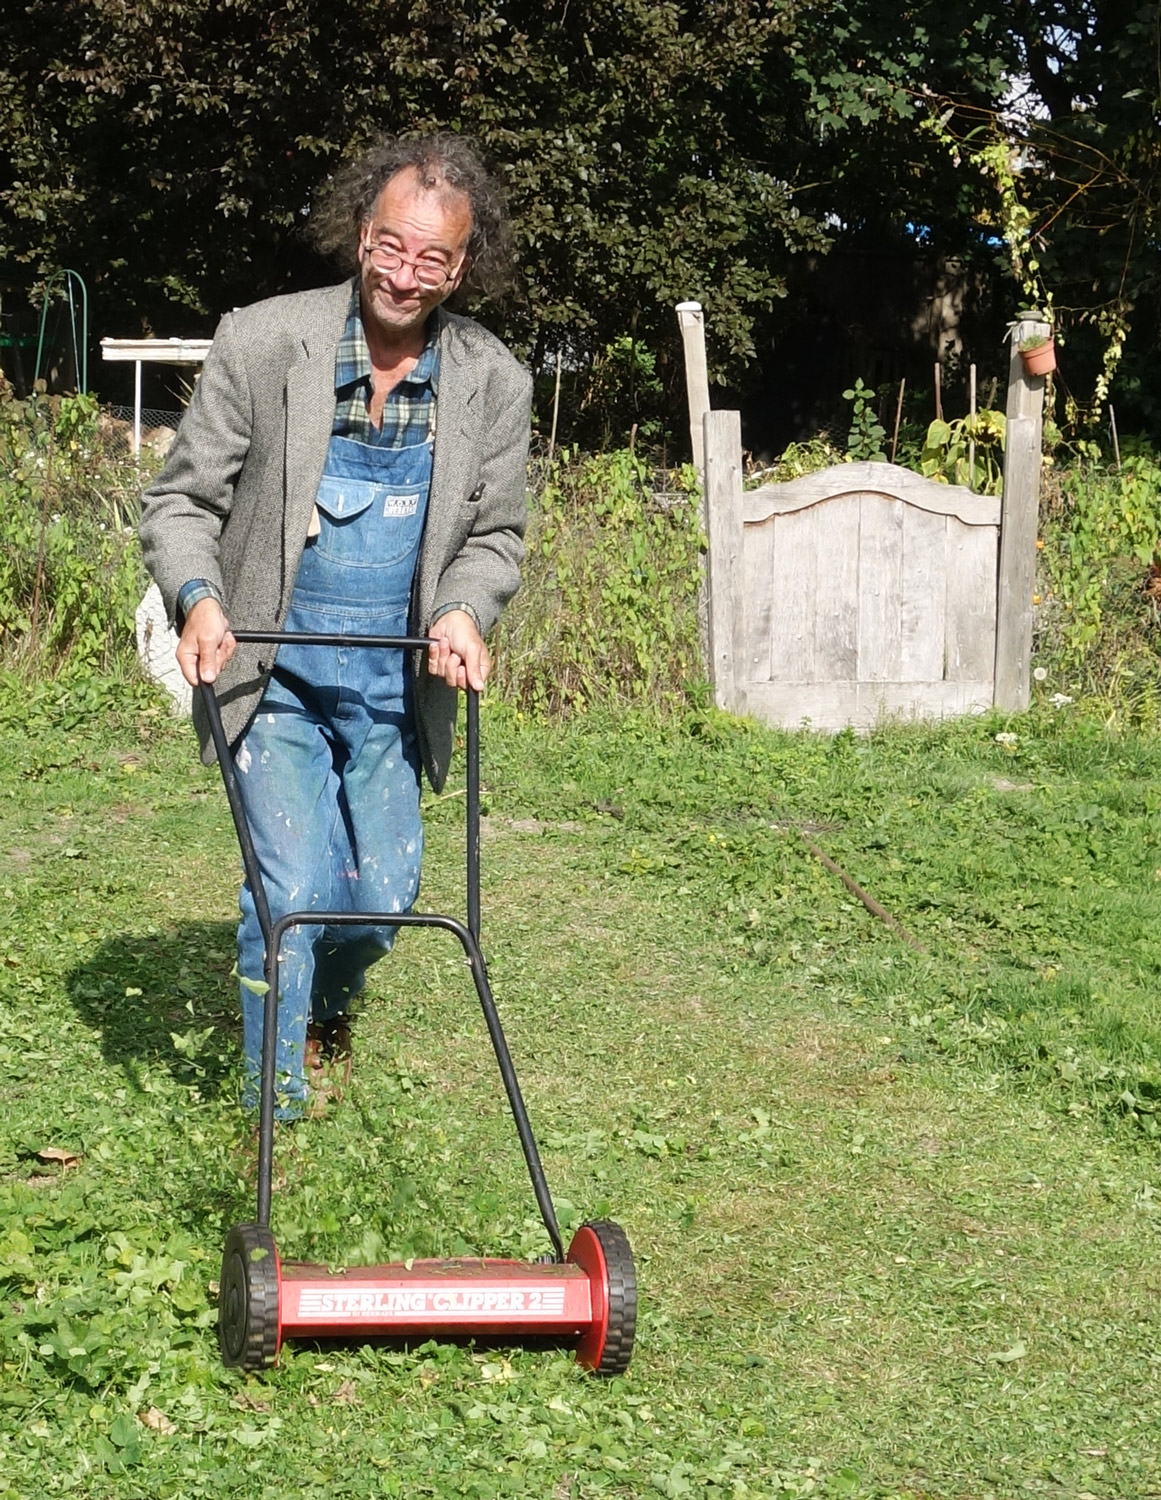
432	274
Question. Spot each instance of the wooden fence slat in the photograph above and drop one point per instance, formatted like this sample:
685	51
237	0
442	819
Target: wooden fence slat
1017	564
1018	525
760	591
836	609
880	588
796	588
923	597
691	322
723	492
971	603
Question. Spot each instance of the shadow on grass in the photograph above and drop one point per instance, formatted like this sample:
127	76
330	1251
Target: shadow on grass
164	998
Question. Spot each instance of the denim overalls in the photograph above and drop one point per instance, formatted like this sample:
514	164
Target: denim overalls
329	768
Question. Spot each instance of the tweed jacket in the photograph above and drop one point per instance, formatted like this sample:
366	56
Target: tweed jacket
234	500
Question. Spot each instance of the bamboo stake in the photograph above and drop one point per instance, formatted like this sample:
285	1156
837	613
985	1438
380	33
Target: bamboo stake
898	417
1116	440
555	410
938	396
874	907
971	440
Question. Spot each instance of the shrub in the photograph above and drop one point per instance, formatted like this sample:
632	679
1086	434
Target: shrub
1100	520
1099	599
608	611
70	569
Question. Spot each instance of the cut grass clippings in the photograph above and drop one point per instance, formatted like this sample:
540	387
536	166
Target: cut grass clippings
896	1213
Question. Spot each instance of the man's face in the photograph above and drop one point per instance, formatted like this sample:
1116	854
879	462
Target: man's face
429	229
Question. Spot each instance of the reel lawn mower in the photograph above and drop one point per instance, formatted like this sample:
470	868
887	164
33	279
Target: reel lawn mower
585	1298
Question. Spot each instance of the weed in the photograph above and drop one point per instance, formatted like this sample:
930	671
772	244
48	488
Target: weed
866	435
608	610
968	451
70	570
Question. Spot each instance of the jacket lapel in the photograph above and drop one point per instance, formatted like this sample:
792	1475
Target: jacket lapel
455	458
310	415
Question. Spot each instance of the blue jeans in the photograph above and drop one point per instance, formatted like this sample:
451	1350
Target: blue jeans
329	767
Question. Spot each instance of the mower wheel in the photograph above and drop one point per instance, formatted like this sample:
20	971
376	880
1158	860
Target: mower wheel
601	1249
248	1323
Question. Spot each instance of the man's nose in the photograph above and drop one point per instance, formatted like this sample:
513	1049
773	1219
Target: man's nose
404	277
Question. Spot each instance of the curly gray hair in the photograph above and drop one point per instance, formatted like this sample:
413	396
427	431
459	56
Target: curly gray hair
442	159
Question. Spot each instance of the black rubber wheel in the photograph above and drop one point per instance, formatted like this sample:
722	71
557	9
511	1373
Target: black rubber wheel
608	1347
248	1299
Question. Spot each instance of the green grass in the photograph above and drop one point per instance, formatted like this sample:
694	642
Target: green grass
896	1212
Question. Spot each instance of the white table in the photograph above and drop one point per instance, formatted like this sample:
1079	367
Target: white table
156	351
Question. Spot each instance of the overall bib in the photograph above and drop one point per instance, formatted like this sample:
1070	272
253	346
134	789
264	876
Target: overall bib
329	767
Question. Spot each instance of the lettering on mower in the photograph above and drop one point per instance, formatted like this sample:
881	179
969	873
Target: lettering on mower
384	1303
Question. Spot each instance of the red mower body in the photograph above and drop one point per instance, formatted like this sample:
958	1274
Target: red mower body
430	1297
587	1302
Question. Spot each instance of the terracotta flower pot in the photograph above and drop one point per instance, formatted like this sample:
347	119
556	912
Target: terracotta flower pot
1041	360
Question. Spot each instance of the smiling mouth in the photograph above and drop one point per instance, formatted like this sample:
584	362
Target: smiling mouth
399	297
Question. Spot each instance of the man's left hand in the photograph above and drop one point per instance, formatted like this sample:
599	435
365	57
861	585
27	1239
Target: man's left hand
459	655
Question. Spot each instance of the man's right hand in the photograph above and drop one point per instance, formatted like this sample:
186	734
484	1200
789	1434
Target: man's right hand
206	644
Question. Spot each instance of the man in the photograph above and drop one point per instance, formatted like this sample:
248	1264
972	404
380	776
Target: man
352	461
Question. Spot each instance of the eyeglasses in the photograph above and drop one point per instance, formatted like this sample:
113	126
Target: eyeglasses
432	275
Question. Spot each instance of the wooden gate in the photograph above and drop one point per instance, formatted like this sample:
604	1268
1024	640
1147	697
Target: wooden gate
852	594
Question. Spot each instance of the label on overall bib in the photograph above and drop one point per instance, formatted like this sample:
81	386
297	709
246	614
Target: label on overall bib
400	505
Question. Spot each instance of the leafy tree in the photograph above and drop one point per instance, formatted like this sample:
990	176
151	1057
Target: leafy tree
170	150
653	150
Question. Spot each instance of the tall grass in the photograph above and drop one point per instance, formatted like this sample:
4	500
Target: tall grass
608	612
70	568
1097	621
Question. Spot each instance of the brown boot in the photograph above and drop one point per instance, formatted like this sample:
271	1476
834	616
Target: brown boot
327	1061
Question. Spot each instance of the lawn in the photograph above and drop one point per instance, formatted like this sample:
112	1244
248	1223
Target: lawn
896	1205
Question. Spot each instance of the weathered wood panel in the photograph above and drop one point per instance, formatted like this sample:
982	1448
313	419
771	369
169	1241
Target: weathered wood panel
760	588
792	615
868	478
923	595
862	705
723	491
1021	504
858	604
971	602
880	655
836	601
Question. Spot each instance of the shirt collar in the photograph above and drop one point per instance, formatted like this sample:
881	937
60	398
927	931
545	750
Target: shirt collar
353	361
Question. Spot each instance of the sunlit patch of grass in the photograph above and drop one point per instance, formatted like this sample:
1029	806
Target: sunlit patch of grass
896	1222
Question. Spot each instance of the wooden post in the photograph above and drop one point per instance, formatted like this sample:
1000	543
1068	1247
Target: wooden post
1019	517
972	428
555	409
692	325
898	417
723	523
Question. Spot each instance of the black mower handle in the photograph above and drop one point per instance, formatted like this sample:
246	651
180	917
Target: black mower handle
225	760
469	936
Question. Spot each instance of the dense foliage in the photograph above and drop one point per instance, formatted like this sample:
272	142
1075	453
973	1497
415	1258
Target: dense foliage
652	152
70	569
609	607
